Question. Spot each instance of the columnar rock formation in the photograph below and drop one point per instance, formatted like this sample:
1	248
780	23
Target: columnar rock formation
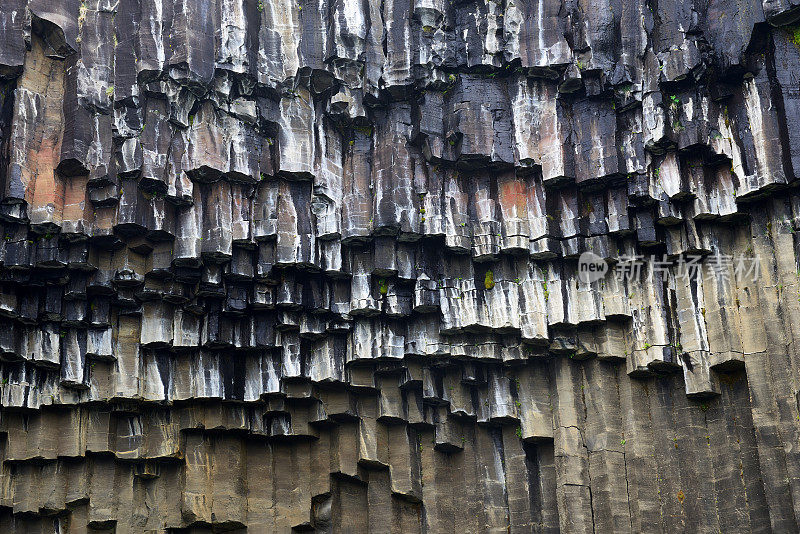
313	264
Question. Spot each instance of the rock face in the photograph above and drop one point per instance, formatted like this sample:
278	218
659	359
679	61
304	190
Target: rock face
314	265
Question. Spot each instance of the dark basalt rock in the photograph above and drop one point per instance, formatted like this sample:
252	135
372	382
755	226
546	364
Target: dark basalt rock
274	266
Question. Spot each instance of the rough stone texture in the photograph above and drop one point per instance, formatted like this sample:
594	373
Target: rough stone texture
312	264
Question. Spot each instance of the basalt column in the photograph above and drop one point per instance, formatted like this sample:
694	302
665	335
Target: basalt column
321	265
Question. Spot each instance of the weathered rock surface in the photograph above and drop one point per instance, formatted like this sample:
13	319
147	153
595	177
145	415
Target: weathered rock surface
312	264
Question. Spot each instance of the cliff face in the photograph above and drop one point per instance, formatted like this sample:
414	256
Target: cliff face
313	264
